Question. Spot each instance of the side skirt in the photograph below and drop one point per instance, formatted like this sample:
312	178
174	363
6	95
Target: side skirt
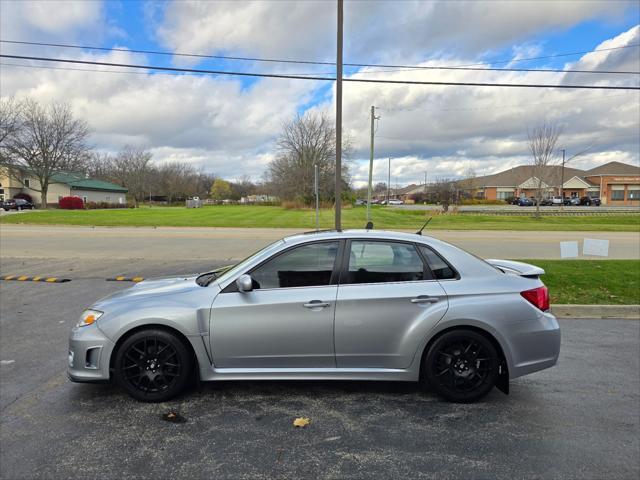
380	374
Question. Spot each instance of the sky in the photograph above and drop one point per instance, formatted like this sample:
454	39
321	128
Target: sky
229	125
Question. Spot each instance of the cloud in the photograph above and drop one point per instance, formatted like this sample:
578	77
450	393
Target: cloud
214	122
29	20
229	127
374	30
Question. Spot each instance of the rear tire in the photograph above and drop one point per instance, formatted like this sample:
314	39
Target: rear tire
461	366
153	365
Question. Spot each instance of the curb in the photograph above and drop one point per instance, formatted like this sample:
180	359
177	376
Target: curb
37	278
596	311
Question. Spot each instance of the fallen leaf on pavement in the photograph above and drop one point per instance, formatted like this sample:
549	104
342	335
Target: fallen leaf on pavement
301	422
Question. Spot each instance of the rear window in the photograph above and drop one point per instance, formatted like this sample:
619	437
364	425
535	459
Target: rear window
441	269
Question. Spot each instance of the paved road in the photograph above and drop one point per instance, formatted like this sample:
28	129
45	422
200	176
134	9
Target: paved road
577	420
22	241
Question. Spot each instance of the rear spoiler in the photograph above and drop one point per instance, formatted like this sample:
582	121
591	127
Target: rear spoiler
516	268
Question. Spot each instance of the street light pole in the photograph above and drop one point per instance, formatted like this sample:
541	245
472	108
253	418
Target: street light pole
389	182
371	150
338	189
562	182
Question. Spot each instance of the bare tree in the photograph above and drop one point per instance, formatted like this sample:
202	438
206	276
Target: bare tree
542	145
131	169
10	119
444	191
306	141
48	140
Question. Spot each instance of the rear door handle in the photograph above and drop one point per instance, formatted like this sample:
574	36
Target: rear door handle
316	304
425	299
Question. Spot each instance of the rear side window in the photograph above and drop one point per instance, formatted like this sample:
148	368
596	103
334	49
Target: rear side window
441	270
306	266
378	262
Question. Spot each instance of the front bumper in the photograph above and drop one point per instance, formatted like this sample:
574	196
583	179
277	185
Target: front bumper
89	354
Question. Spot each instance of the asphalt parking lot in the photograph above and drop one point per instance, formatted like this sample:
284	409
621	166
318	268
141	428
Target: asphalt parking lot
580	419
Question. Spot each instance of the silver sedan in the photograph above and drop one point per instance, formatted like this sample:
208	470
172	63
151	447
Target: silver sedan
351	305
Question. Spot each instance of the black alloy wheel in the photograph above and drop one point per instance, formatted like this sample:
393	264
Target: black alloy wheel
461	366
153	365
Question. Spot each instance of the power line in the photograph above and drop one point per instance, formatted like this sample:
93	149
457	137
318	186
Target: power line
318	78
386	109
469	67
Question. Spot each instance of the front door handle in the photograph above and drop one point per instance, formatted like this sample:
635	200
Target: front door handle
316	304
425	299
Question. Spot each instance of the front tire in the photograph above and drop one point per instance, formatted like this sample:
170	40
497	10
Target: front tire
461	366
153	365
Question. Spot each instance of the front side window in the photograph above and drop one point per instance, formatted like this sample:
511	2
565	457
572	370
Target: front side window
305	266
27	183
378	262
441	270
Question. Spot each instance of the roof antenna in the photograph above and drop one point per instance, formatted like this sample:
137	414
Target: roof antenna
419	232
369	226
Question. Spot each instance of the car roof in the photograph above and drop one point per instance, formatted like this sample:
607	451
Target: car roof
355	233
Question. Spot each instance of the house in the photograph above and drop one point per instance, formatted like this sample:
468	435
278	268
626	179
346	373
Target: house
615	183
62	185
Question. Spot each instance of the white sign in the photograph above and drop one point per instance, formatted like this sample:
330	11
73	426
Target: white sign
592	246
568	249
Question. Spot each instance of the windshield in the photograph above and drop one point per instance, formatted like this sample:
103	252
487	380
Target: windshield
226	272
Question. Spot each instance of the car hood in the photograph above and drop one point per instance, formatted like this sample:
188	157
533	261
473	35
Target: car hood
153	287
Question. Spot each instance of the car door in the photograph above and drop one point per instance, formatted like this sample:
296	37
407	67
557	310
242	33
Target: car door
286	320
388	300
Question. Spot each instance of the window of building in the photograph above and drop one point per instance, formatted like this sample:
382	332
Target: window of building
26	182
441	269
108	199
306	266
377	262
633	193
505	195
84	199
617	194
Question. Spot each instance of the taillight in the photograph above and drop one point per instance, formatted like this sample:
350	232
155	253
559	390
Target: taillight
538	297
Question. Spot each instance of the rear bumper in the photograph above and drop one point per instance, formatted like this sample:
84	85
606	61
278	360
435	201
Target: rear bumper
535	345
89	354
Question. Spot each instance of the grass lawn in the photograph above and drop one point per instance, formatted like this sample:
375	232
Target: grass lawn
278	217
592	282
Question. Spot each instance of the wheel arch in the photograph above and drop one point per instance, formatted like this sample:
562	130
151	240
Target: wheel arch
503	376
155	326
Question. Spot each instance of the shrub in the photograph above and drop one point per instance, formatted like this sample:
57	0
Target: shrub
481	201
71	203
103	205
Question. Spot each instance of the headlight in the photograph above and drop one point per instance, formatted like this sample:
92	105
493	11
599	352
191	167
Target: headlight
88	317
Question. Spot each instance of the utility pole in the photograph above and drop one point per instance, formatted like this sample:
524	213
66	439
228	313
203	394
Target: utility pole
425	188
338	189
317	193
562	182
373	119
389	182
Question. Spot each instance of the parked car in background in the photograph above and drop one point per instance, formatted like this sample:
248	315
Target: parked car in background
395	201
556	200
525	202
588	201
349	305
359	201
546	202
17	204
572	202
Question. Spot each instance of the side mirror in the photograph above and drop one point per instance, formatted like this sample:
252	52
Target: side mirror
244	283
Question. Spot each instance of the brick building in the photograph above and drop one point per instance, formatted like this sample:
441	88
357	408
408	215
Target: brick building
615	183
